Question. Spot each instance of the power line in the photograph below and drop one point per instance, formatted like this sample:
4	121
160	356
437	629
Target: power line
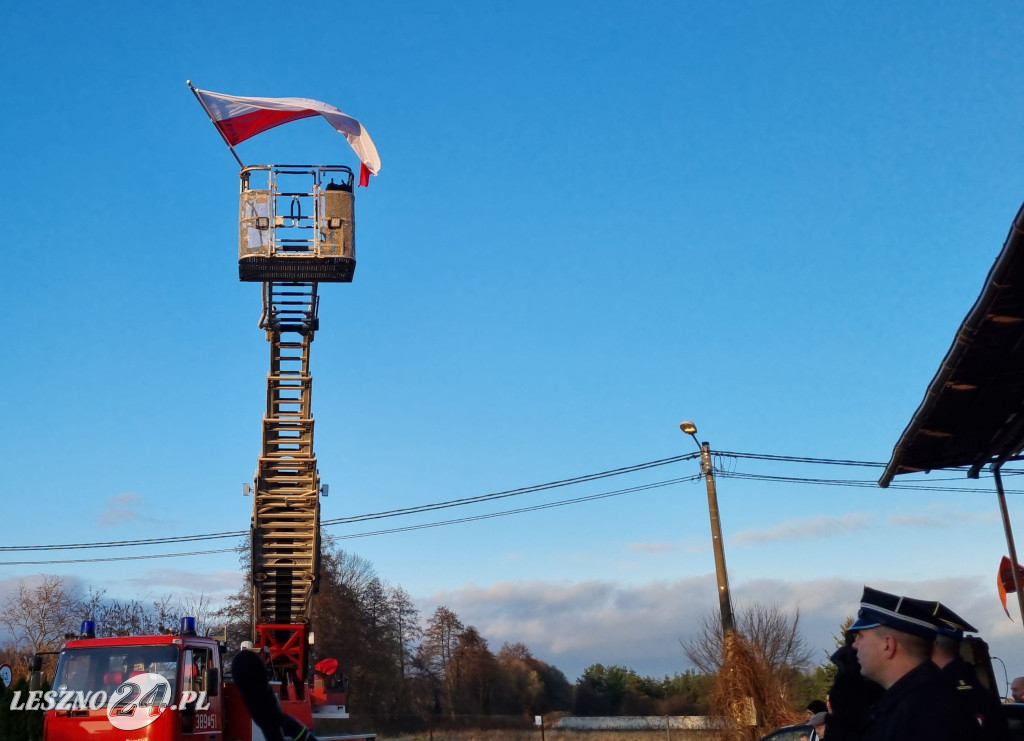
859	483
122	543
549	505
513	492
118	558
856	483
371	516
797	459
506	494
422	526
840	462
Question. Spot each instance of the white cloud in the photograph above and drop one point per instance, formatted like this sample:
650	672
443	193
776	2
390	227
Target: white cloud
216	584
938	516
574	625
652	547
129	507
819	526
918	520
120	508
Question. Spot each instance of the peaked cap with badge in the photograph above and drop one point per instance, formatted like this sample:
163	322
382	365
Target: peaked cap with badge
946	621
899	613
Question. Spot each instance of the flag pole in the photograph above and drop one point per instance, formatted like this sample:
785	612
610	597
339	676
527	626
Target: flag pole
195	92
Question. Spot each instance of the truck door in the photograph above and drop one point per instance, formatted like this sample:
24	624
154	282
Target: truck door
201	704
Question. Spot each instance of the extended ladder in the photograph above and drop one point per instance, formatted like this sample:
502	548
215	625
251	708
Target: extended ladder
296	229
286	510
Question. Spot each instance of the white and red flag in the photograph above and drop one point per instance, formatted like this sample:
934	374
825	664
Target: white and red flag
238	118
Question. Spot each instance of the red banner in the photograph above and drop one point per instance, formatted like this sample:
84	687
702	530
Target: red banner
1005	581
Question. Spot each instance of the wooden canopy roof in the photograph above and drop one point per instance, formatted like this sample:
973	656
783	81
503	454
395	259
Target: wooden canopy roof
973	409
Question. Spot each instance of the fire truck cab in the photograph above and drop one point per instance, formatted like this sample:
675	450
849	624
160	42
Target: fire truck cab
152	688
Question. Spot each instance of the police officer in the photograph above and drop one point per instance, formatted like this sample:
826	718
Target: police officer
971	696
894	639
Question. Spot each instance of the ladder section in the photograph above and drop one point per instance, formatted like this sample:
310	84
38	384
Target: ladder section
286	508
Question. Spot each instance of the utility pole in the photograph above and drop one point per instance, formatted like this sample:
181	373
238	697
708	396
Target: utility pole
724	599
743	707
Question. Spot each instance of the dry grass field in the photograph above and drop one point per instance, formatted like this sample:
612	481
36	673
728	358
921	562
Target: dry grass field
549	735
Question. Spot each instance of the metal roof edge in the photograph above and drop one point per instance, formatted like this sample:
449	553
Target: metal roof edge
961	342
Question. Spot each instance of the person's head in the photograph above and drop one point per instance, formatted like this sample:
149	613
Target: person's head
950	626
819	721
894	636
947	648
1017	689
886	654
814	707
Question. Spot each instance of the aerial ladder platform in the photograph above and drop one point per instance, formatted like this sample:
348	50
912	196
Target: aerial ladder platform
296	230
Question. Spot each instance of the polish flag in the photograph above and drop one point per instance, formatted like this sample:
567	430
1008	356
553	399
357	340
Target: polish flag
239	118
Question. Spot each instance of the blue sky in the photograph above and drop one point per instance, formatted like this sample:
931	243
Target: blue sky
592	221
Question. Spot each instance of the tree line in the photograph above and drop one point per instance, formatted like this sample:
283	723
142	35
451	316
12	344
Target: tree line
400	664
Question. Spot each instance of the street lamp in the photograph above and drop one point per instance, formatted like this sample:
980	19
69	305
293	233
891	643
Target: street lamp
724	601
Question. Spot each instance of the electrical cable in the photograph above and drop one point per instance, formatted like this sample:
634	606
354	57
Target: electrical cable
119	558
372	516
840	462
422	526
512	492
856	483
549	505
720	470
798	459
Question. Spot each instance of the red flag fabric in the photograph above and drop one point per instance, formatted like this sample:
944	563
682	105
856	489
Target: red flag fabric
1005	581
239	118
327	666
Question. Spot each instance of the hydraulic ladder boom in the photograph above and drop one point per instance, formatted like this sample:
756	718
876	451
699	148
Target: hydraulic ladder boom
295	231
286	510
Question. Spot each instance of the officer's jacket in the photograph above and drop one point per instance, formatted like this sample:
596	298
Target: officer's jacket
921	706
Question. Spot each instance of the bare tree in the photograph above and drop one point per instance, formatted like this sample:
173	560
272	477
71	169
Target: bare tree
775	635
405	625
772	633
437	652
200	606
479	673
524	681
131	617
236	613
116	618
41	613
764	655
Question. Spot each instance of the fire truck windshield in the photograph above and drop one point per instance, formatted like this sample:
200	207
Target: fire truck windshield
106	667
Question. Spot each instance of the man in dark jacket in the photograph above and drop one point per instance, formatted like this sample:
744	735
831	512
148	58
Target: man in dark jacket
970	695
894	647
973	698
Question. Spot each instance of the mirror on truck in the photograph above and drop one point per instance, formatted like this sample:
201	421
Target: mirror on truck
212	682
35	677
